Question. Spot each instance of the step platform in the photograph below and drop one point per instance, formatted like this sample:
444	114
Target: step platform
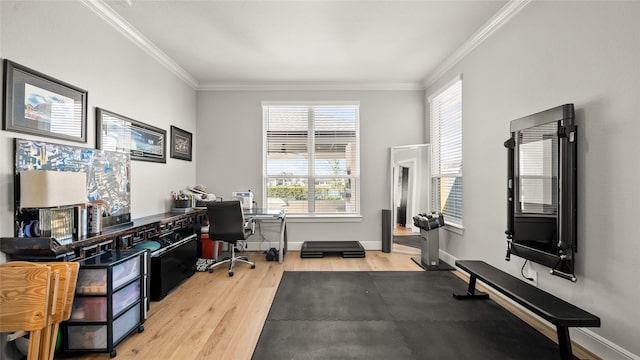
318	249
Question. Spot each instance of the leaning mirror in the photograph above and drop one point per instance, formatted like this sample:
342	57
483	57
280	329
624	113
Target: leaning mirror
410	170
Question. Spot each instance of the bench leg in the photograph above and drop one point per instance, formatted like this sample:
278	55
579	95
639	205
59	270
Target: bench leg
564	343
471	291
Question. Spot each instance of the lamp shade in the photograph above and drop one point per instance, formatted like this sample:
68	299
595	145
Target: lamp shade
41	188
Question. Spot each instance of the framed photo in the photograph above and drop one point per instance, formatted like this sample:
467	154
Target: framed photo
181	142
115	132
37	104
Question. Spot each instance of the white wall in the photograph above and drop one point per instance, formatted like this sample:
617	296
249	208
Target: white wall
230	151
67	41
552	53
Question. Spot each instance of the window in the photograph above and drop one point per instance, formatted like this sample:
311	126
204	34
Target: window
312	158
446	152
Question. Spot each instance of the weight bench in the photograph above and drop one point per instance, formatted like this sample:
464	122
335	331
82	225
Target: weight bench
555	310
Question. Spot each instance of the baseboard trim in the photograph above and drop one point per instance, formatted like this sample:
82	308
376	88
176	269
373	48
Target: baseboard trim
601	346
297	245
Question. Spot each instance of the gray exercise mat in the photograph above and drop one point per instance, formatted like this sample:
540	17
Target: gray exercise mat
331	296
331	340
391	315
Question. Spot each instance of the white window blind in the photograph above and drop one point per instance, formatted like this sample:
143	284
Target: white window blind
446	145
312	158
537	173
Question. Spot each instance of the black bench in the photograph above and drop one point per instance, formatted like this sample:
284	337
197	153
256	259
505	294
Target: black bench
555	310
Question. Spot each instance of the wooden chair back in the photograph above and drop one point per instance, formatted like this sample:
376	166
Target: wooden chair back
25	300
60	306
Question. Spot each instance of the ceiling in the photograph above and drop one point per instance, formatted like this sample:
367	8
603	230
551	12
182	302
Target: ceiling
242	43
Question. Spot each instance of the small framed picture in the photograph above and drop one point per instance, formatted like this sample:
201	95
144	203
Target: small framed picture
119	133
37	104
181	142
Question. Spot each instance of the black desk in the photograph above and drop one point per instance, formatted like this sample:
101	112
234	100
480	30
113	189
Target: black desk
117	237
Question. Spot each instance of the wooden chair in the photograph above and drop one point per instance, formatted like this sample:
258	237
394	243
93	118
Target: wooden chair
25	290
60	306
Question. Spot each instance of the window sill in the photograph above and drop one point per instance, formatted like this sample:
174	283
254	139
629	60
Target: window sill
308	218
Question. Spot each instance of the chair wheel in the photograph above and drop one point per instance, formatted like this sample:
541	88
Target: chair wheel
253	266
230	273
211	271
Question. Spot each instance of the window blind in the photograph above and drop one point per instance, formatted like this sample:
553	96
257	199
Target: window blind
312	161
446	152
537	173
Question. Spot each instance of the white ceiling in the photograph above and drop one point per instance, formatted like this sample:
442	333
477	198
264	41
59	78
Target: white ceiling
236	43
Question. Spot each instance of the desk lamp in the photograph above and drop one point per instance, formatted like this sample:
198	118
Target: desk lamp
53	194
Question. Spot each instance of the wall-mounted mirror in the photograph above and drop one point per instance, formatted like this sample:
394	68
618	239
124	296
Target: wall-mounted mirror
410	194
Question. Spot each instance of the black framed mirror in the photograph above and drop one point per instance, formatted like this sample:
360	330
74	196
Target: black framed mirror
541	189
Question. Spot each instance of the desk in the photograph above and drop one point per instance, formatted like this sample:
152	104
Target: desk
117	237
265	214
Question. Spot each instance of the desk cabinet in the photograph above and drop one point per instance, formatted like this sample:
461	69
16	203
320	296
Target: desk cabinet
171	265
110	301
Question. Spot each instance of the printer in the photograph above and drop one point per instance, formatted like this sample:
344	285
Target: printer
245	197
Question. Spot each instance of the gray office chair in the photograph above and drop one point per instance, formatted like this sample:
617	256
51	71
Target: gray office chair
227	223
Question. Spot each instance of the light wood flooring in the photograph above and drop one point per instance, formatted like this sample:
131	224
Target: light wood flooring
400	230
214	316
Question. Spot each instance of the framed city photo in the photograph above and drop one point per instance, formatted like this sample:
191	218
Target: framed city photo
37	104
119	133
181	143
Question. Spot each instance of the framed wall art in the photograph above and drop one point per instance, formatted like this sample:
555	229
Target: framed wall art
37	104
181	144
119	133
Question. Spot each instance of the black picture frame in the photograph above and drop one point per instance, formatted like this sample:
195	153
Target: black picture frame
181	144
38	104
115	132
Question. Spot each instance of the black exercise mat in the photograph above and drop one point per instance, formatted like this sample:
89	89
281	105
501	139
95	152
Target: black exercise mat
314	297
386	315
323	339
461	340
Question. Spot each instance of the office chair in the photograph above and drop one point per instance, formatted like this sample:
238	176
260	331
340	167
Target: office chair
227	223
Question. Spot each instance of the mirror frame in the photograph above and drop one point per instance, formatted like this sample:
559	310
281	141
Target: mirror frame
392	176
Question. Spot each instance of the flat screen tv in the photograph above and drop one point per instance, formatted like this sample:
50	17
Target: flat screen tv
541	189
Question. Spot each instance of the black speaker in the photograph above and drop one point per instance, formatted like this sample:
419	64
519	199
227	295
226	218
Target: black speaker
386	230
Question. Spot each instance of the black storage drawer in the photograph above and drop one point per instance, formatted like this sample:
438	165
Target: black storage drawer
171	265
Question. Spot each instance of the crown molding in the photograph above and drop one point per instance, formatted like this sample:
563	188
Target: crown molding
491	26
105	12
117	22
312	85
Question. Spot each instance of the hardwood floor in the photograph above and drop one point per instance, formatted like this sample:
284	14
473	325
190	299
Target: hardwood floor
214	316
403	231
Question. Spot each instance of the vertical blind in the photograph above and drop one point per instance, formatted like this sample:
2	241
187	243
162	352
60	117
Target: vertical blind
312	158
537	172
446	152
